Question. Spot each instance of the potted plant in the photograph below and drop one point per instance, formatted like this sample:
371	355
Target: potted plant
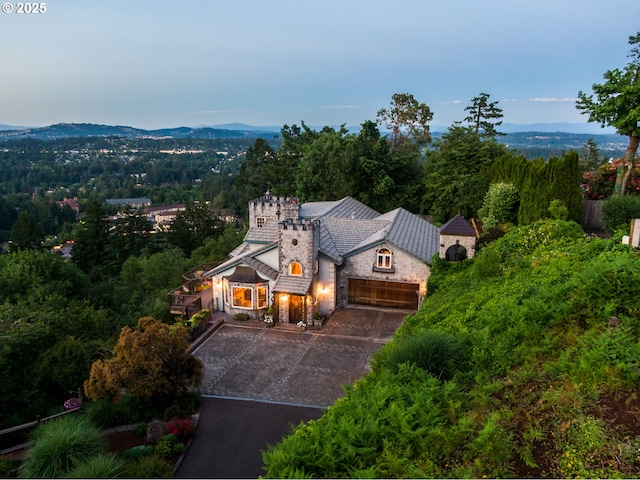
268	317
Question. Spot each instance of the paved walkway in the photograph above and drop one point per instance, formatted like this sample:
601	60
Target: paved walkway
260	380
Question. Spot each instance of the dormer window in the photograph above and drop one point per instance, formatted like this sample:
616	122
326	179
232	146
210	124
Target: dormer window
384	258
295	269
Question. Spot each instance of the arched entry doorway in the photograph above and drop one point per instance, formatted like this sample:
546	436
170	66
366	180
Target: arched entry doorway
456	253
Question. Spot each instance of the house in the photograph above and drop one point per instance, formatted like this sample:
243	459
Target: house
162	216
307	260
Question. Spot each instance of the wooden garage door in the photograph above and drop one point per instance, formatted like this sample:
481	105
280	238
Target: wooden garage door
383	294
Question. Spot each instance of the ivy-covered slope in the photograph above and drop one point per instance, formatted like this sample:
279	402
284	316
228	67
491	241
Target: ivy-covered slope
523	362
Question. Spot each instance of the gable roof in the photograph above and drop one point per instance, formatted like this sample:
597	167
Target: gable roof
458	226
406	231
247	258
348	207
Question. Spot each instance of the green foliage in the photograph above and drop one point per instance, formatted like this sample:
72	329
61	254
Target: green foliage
407	119
149	362
558	210
542	182
484	115
456	173
60	445
7	466
618	211
500	205
132	455
164	446
541	371
98	466
437	353
193	227
150	466
141	429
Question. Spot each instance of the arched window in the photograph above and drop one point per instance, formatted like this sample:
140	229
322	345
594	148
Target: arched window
295	269
384	258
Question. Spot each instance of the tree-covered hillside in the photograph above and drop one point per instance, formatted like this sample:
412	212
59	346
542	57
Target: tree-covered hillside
522	362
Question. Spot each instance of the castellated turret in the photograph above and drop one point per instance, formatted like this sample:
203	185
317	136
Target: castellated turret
299	241
269	207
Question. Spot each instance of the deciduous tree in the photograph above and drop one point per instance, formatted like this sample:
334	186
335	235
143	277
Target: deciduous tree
150	361
407	119
616	103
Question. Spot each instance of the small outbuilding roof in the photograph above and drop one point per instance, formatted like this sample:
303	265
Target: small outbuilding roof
458	226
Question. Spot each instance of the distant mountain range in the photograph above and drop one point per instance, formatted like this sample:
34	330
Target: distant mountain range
75	130
557	136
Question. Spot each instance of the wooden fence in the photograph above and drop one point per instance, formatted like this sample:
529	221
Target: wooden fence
17	437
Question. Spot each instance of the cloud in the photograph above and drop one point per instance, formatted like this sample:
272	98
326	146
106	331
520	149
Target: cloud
452	102
552	100
340	106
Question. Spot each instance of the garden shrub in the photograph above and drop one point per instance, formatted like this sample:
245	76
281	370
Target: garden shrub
618	211
7	465
437	353
132	455
60	445
182	428
99	466
149	467
500	205
141	429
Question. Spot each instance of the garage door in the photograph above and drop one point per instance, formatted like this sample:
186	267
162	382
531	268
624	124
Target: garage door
383	294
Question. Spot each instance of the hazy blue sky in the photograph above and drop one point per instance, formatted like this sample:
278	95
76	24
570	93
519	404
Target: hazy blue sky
153	64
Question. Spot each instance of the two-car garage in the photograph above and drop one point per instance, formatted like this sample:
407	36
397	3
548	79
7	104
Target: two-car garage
382	293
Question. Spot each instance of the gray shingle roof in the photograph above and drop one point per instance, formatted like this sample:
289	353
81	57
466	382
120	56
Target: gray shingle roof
340	235
351	208
248	258
415	235
268	233
292	284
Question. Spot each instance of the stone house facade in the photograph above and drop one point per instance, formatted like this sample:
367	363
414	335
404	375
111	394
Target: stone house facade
305	260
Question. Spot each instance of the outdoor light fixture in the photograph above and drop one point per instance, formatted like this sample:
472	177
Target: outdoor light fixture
284	297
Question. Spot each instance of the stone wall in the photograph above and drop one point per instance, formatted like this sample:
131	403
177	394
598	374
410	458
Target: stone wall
446	241
298	243
406	268
273	208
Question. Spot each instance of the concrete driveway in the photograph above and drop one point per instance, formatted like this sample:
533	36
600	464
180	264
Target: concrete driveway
294	367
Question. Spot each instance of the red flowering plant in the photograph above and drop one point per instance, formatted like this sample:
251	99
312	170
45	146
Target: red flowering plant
598	185
182	428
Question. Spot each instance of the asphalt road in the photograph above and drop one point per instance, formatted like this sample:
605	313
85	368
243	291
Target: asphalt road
232	434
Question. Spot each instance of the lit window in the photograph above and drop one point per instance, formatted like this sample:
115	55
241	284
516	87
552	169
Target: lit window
260	221
242	297
262	297
295	269
384	258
